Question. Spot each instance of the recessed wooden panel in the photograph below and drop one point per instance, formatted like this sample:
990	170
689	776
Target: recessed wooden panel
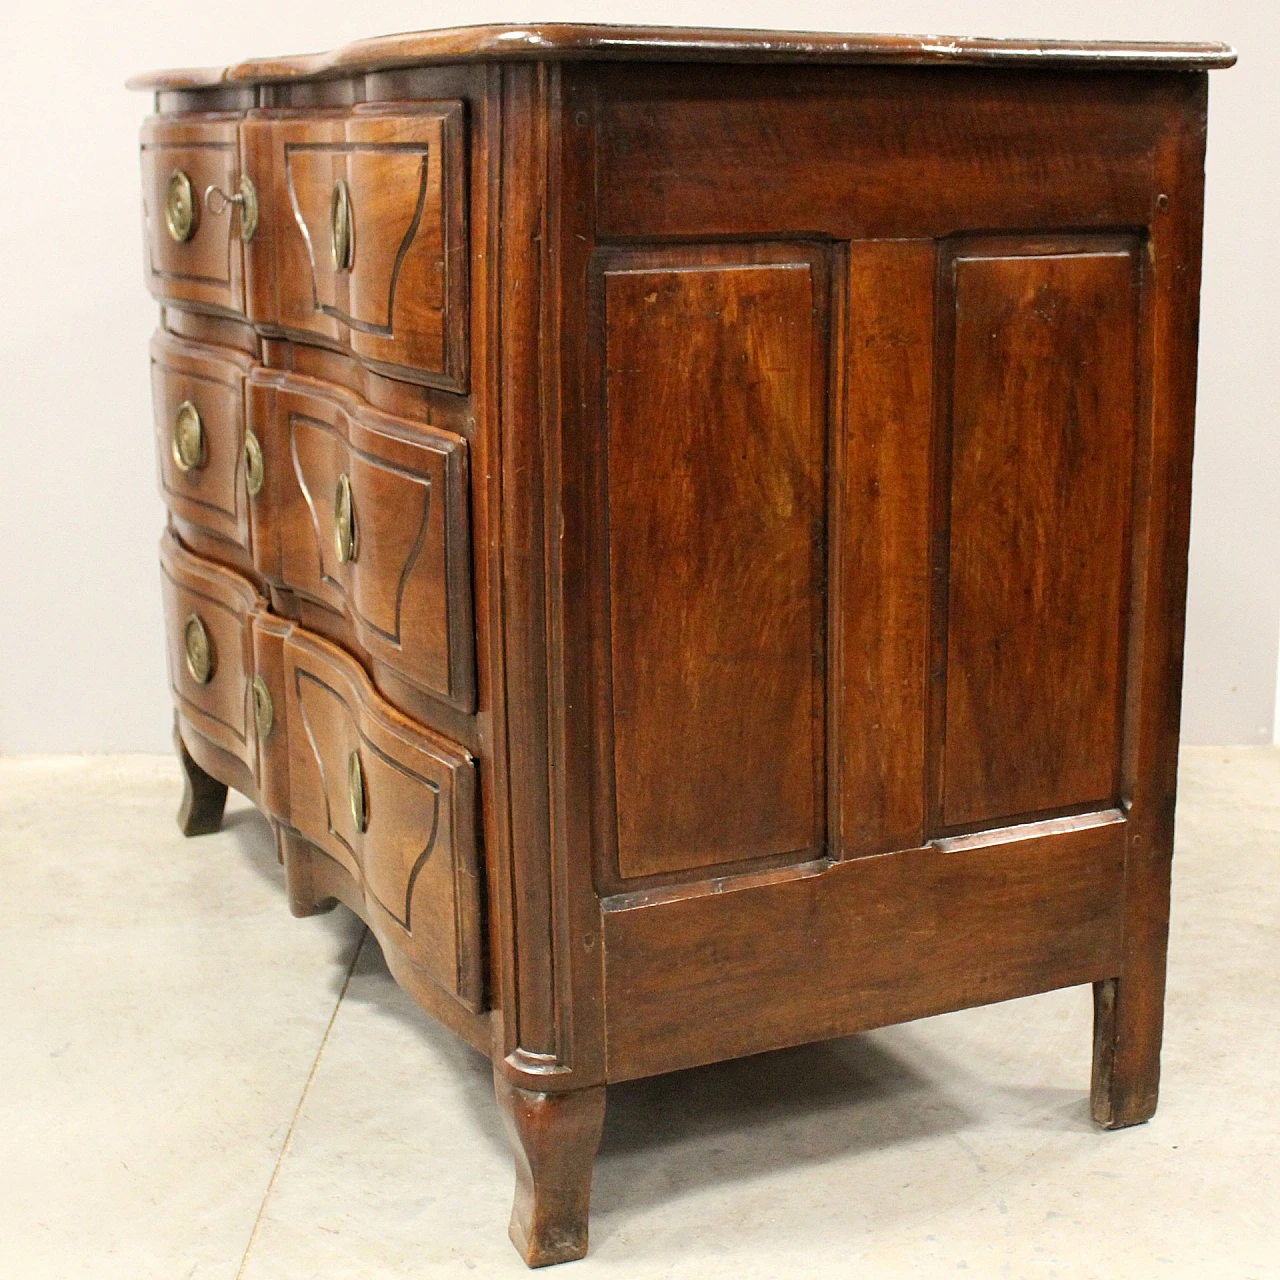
716	456
398	302
206	269
407	589
1043	416
415	858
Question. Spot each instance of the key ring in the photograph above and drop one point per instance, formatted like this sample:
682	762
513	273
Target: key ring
218	201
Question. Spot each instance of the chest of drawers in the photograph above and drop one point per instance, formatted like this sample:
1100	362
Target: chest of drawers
685	532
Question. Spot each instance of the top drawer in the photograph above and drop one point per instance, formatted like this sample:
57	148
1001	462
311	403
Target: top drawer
361	242
193	257
343	228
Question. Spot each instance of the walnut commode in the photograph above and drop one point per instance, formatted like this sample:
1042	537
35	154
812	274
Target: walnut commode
685	532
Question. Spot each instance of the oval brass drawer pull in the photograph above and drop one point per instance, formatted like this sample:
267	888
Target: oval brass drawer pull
264	708
246	199
188	438
180	207
341	226
199	649
344	521
254	472
356	792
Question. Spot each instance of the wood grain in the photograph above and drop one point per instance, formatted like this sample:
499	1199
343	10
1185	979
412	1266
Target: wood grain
1044	399
771	466
880	606
715	392
546	40
696	152
751	963
1129	1008
416	858
401	305
205	271
407	589
211	498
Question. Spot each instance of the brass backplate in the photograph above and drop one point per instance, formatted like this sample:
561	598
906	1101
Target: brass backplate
188	438
180	207
199	649
264	708
344	521
341	225
254	470
356	792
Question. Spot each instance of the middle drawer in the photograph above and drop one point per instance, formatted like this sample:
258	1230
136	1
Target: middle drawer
366	514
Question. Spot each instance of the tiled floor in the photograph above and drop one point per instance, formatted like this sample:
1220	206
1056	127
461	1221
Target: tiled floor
193	1084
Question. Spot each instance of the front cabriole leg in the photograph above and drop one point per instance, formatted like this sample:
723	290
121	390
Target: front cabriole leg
554	1137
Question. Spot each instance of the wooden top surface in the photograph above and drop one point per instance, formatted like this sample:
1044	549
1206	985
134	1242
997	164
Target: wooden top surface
569	41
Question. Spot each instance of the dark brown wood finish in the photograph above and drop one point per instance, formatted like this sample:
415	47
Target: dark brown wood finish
568	41
1129	1008
714	505
760	617
404	581
394	805
554	1137
881	551
730	967
1040	348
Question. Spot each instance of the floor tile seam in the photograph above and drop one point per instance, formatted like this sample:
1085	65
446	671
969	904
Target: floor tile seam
297	1111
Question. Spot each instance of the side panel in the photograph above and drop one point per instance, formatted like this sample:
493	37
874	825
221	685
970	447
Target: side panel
716	453
1044	400
1003	507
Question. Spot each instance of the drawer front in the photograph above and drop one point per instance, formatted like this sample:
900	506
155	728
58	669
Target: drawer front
208	612
193	256
367	514
198	399
391	803
362	242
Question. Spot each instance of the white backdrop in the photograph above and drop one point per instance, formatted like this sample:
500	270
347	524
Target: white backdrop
81	665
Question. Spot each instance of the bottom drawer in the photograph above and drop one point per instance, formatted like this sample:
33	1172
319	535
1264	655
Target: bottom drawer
208	612
392	803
